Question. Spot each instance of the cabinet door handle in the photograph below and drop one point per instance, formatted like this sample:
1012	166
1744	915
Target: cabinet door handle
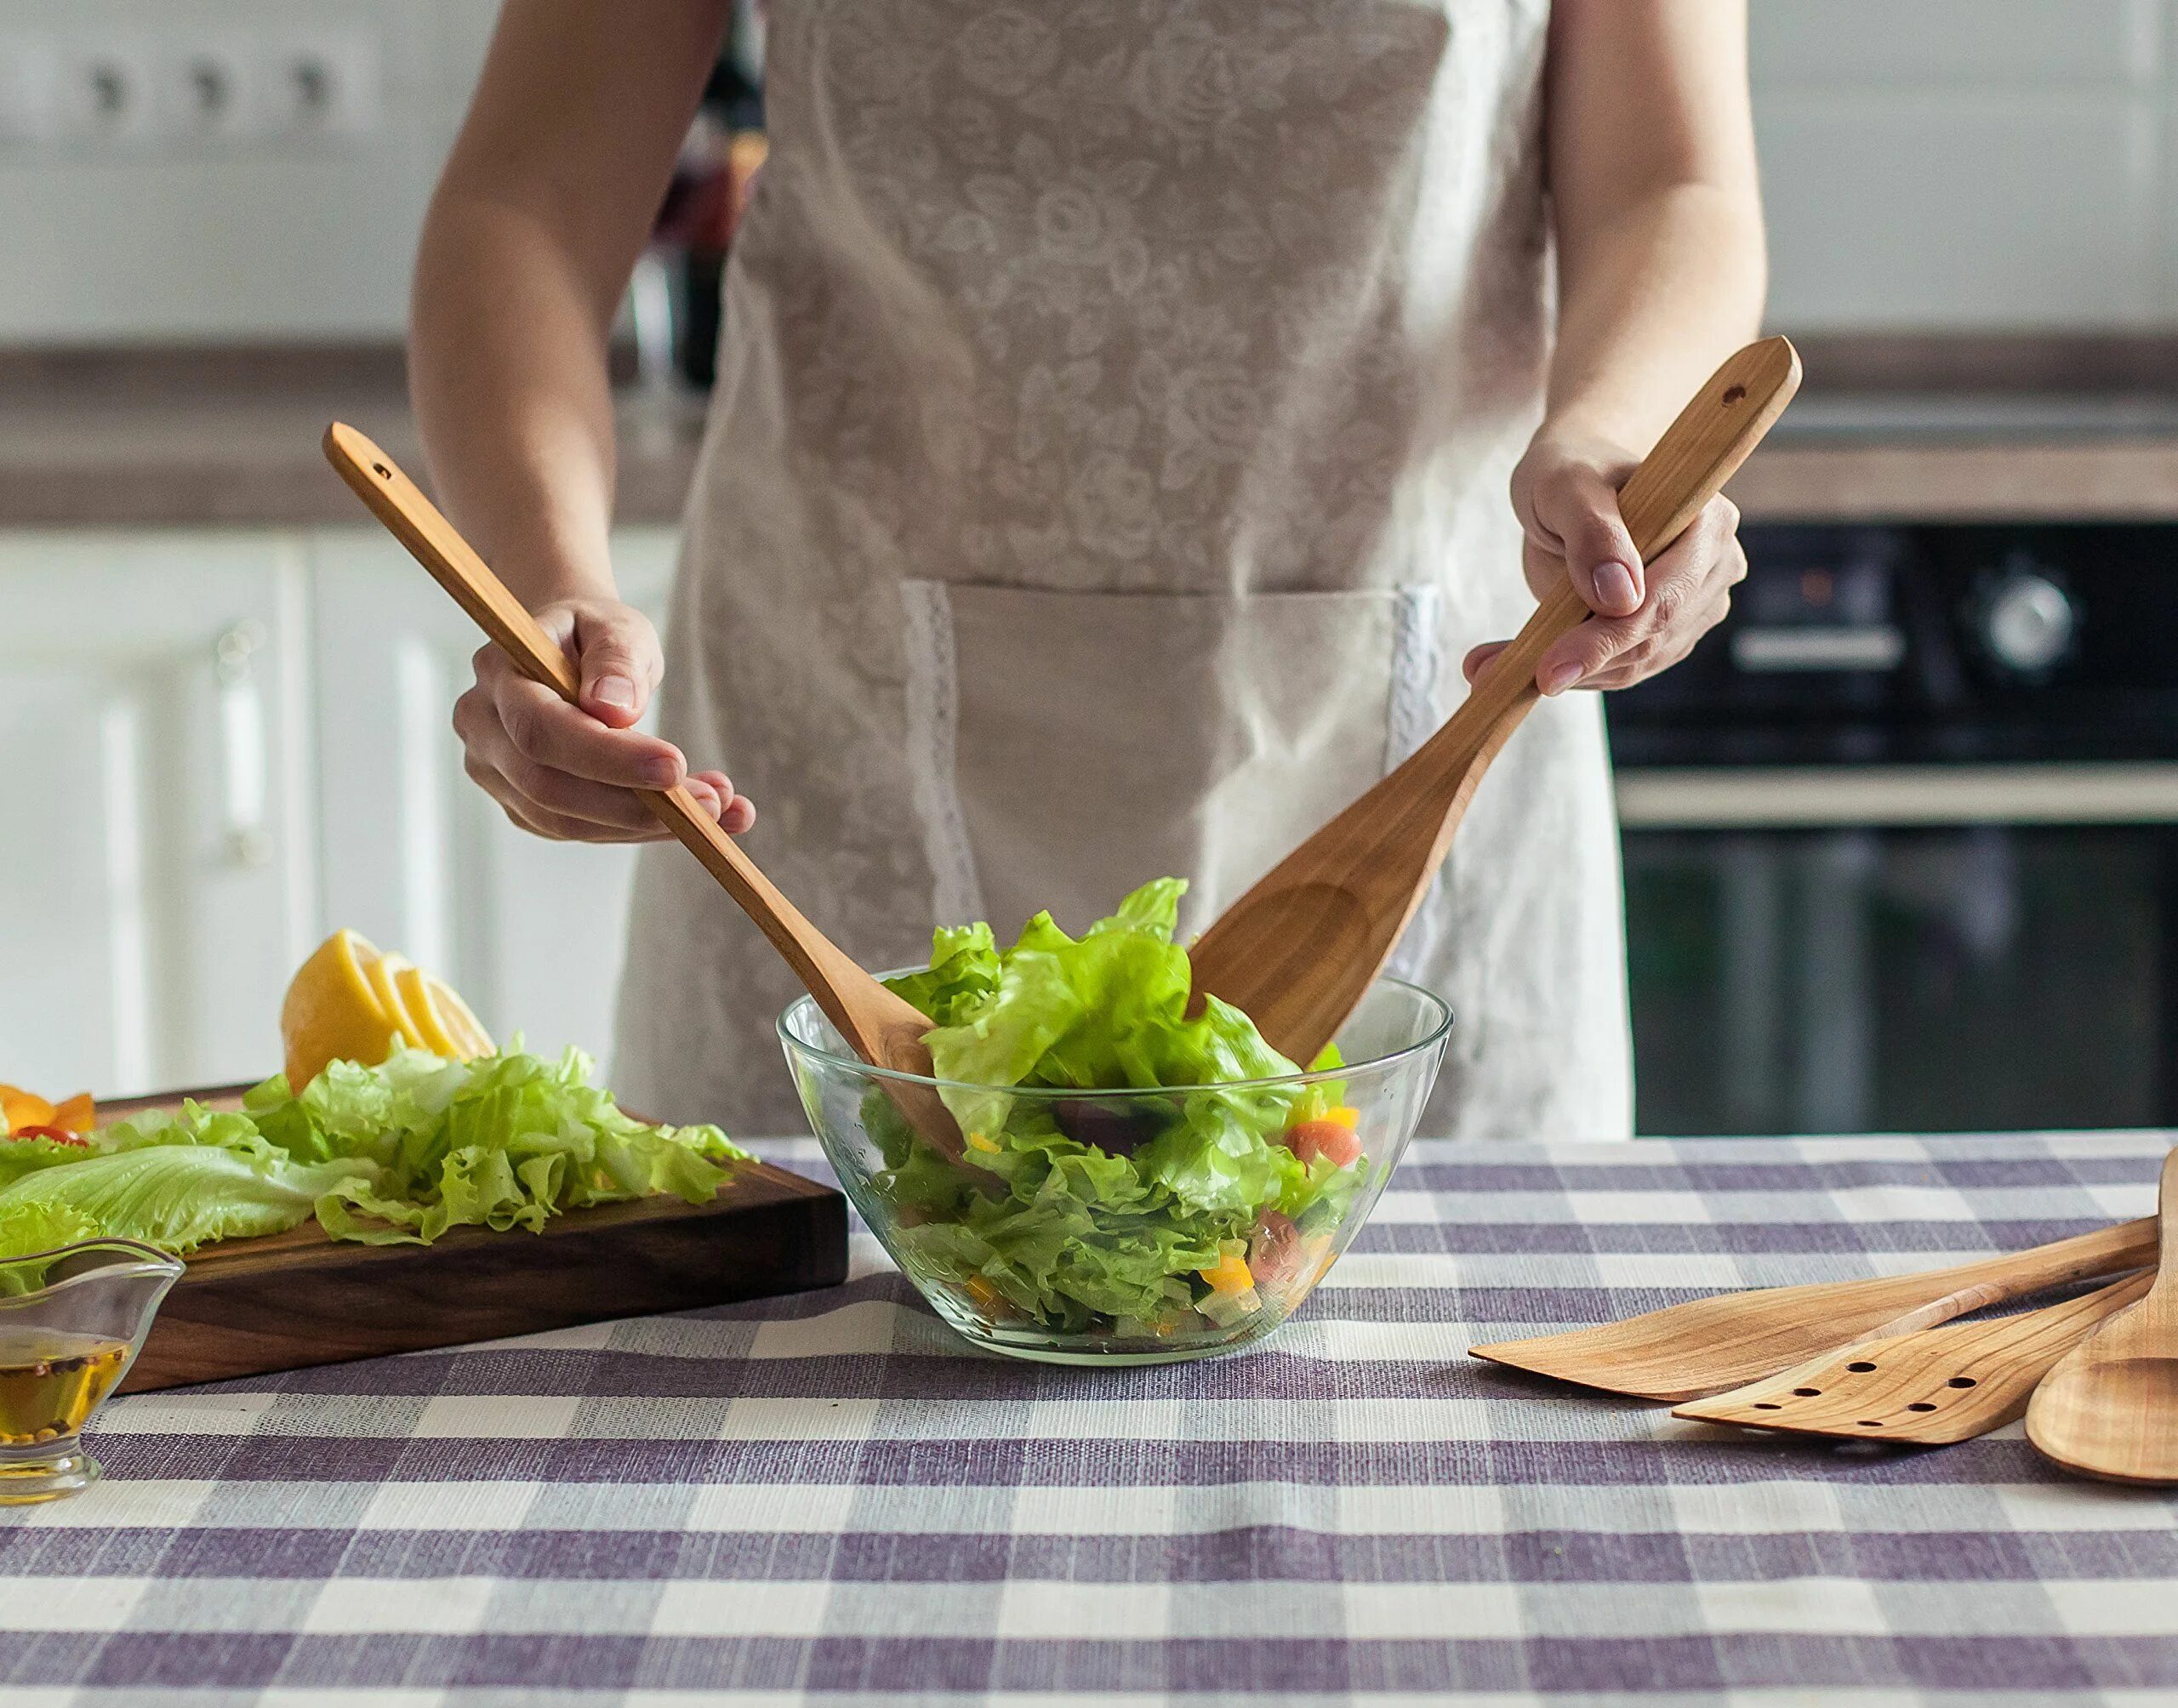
245	756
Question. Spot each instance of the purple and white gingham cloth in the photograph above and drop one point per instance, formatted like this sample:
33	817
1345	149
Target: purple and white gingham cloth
825	1498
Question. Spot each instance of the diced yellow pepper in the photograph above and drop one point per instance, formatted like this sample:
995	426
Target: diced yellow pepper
981	1141
1230	1273
1345	1114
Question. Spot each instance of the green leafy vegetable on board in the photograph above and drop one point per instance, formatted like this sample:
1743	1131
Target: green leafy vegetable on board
397	1152
1079	1216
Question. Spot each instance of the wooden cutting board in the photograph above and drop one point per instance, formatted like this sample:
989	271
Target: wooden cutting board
247	1307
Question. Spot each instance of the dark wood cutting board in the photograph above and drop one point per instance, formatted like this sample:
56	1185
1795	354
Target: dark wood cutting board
247	1307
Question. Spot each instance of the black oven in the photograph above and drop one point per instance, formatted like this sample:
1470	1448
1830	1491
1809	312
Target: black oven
1901	838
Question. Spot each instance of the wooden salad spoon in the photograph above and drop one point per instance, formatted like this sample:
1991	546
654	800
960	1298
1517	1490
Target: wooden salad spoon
1297	951
885	1030
1929	1388
2110	1407
1707	1345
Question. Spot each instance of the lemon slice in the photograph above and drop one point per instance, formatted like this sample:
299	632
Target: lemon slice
384	974
332	1010
447	1026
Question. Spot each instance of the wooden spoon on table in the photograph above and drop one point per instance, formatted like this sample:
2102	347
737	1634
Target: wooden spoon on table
2110	1407
885	1030
1707	1345
1298	950
1929	1388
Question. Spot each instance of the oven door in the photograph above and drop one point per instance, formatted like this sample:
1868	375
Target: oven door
1912	950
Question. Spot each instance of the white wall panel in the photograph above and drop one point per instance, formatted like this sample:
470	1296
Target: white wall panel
1962	210
2038	44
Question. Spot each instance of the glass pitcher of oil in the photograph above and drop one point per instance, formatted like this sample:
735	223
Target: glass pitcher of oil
71	1320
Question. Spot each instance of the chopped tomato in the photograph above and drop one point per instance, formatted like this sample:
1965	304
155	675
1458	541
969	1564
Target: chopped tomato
1334	1140
1275	1254
60	1135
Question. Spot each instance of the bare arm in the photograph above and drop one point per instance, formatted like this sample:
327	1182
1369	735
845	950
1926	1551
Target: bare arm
1661	272
545	204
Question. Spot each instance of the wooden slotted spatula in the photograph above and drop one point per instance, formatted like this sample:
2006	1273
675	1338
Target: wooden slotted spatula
1297	951
2110	1407
1707	1345
1929	1388
885	1030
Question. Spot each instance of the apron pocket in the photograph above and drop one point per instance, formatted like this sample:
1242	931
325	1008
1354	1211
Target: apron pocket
1066	746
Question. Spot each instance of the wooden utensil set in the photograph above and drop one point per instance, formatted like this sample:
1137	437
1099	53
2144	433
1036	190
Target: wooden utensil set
2095	1375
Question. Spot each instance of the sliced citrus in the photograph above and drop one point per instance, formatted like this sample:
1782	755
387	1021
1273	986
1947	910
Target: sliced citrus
468	1031
384	975
448	1028
332	1012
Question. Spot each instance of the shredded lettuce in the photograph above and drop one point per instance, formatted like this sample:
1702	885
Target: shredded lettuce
398	1152
1101	1216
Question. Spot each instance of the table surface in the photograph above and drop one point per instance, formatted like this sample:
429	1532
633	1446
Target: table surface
826	1498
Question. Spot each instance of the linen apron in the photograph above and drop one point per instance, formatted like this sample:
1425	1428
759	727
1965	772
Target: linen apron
1106	471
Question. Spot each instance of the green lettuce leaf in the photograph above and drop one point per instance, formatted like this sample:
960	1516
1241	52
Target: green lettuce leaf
401	1152
178	1196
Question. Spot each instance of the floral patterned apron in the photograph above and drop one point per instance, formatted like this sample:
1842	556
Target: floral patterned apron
1106	473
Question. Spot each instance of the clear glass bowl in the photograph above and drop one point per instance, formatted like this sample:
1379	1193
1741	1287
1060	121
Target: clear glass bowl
1347	1126
71	1322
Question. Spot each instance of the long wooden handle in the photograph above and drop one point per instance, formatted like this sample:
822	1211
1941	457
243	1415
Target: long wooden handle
413	519
1717	430
2013	1275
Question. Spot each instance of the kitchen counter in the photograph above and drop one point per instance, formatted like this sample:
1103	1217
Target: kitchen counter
182	439
827	1497
175	438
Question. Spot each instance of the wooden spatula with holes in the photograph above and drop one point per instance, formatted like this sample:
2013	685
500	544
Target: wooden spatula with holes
1706	1345
2110	1407
1929	1388
886	1031
1296	952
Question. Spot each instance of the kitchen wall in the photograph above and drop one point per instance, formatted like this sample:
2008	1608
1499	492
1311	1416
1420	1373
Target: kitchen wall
1948	164
285	209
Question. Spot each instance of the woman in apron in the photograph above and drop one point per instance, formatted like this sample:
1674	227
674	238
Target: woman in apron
1107	471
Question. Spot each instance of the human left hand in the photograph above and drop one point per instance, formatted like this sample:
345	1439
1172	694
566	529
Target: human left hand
1647	616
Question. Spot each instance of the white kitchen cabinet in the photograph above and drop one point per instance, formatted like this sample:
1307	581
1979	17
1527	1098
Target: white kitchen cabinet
417	857
155	874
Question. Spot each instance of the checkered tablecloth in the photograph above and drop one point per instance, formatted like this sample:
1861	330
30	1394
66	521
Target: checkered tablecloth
825	1498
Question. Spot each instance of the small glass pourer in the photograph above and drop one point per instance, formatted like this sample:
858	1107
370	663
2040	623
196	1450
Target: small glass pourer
71	1321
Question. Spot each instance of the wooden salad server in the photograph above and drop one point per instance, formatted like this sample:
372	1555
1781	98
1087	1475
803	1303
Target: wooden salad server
1707	1345
885	1030
2110	1409
1929	1388
1297	951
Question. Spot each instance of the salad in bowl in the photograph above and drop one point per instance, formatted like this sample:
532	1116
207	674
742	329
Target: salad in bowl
1135	1184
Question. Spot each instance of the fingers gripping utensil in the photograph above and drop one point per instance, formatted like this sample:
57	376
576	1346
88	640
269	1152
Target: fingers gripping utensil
885	1030
1707	1345
1929	1388
1296	952
2110	1407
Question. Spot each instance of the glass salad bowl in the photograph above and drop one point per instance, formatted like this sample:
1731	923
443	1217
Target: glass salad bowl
1143	1226
71	1321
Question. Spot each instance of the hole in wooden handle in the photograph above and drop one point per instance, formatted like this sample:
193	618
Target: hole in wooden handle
1736	395
381	471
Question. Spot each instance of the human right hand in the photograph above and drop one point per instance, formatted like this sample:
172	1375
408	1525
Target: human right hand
566	772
